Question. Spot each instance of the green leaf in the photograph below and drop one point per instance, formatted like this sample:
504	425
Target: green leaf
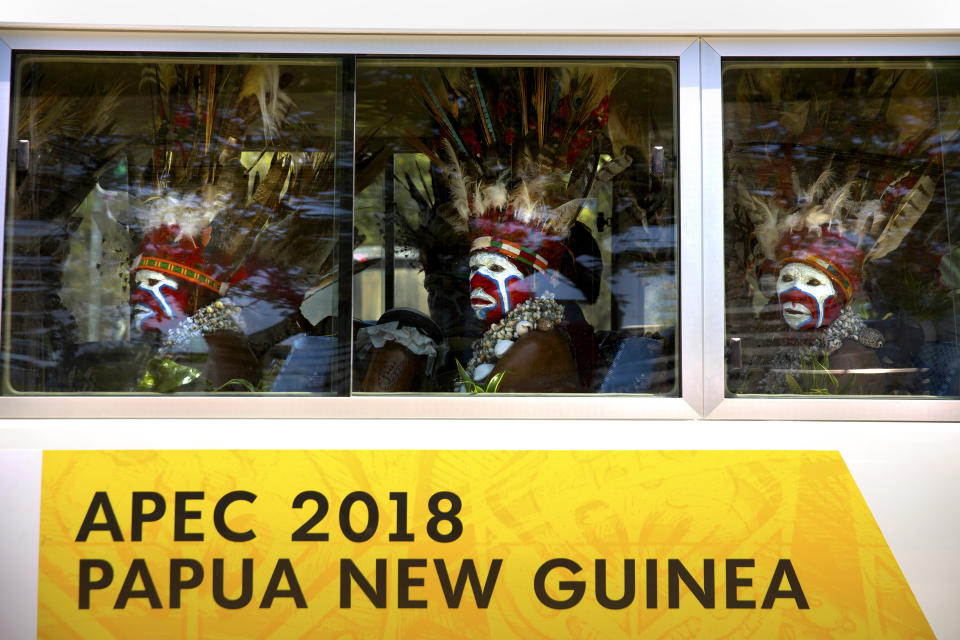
167	376
793	384
494	383
825	366
240	381
472	387
464	378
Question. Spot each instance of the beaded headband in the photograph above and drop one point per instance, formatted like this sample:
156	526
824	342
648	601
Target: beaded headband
836	274
180	271
511	250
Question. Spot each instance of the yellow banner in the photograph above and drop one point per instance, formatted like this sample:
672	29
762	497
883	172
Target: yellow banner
468	544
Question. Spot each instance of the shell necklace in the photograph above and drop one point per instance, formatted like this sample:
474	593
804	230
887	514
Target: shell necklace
794	358
543	314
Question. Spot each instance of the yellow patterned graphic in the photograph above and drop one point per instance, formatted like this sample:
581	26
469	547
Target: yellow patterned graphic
470	544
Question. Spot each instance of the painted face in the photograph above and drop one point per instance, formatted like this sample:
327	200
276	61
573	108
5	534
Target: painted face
157	300
496	285
808	299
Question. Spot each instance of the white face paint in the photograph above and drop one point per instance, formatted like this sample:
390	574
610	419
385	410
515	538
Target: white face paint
808	299
152	283
490	275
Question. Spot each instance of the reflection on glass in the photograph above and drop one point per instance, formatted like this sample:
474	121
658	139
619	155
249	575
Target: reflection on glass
842	237
520	230
172	226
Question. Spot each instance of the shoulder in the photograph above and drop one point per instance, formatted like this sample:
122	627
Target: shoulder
539	362
856	362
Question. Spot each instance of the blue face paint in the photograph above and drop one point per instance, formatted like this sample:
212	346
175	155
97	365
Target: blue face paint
807	297
799	302
154	301
156	291
491	296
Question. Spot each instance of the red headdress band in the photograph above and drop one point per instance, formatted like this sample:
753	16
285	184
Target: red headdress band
830	252
180	271
511	250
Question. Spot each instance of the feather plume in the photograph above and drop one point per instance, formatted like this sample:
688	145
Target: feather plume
881	217
458	189
518	154
816	190
101	116
765	216
795	179
546	118
815	218
495	197
835	203
540	102
793	222
903	219
524	122
523	205
190	212
439	113
264	82
565	214
485	121
869	212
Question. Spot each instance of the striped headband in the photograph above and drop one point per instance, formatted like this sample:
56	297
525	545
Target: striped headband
836	274
511	250
181	271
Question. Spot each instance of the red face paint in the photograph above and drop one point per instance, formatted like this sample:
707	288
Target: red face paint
496	286
808	299
158	301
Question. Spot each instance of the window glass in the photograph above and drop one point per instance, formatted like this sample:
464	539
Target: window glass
842	236
516	218
172	225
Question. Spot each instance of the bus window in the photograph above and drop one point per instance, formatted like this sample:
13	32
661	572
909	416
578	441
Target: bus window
172	225
842	238
523	226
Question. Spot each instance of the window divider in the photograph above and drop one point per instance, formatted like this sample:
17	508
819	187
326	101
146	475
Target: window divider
690	262
712	291
6	128
346	171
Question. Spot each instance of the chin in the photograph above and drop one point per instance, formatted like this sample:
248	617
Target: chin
805	324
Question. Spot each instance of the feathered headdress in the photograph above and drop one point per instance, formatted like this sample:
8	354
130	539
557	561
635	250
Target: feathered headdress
199	219
836	229
195	180
515	145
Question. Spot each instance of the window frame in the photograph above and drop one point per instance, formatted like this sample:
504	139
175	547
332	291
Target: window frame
716	404
686	50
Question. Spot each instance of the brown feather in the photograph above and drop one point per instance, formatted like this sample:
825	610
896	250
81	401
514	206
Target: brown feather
903	219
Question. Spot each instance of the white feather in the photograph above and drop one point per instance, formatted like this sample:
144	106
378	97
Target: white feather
495	197
273	101
458	189
814	219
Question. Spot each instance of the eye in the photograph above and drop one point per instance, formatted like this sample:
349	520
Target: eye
786	278
813	282
496	268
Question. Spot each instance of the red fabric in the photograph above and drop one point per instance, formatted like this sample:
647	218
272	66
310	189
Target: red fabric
184	300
